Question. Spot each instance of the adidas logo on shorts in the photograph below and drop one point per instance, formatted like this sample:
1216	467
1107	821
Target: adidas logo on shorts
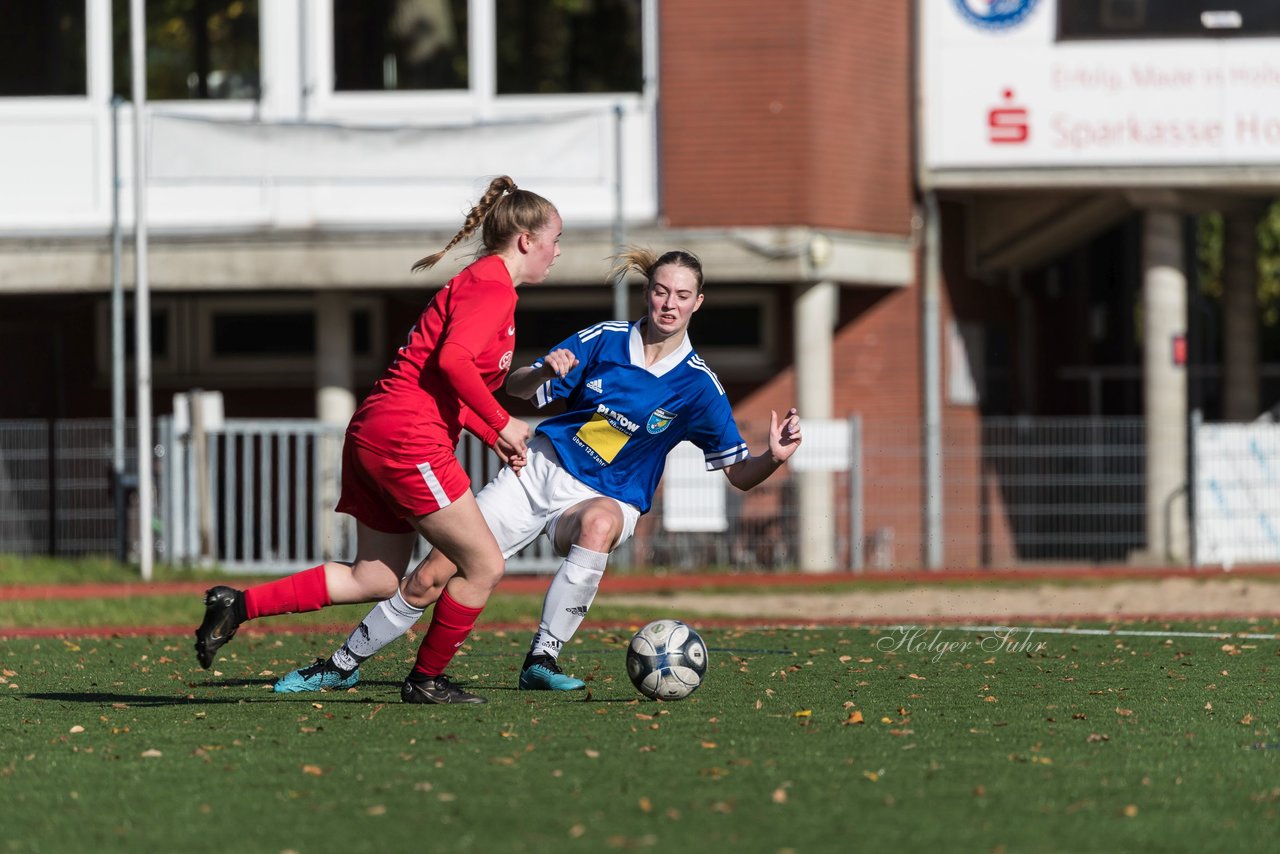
577	610
596	385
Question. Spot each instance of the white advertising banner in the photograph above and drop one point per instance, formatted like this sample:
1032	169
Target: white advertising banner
1001	91
1237	492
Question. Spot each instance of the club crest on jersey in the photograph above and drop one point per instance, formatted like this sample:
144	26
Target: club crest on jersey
660	420
505	361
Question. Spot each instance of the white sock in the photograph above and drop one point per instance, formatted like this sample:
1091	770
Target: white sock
388	620
568	599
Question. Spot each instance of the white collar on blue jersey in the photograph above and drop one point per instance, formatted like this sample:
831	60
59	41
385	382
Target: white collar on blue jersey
664	365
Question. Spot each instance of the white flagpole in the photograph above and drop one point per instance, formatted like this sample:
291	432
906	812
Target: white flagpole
142	296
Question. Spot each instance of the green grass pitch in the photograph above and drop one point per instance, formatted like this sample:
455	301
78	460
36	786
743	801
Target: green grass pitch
833	739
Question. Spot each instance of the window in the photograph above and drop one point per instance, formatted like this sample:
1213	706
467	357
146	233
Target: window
196	49
732	330
238	342
42	48
165	335
541	326
386	45
252	334
1138	19
276	336
568	46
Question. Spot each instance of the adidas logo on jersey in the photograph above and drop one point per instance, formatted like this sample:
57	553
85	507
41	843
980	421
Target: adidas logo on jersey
596	385
577	610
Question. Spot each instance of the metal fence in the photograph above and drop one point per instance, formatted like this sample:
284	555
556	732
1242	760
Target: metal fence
258	496
57	495
1016	491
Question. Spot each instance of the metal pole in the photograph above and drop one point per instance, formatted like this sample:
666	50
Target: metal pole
929	334
857	557
1193	506
620	311
117	341
142	296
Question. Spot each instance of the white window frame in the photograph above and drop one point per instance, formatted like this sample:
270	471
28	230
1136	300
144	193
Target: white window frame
231	370
725	361
740	361
169	364
479	101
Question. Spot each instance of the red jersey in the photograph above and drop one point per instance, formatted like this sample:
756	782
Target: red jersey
443	378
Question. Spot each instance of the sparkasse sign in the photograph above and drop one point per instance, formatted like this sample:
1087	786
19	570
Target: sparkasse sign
1002	88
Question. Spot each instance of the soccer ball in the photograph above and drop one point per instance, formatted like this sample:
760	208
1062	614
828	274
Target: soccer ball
666	660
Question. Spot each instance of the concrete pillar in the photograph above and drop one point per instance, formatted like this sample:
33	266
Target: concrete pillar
815	314
335	404
335	375
1164	320
1240	317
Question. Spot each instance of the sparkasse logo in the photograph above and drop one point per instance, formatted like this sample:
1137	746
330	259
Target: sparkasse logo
995	14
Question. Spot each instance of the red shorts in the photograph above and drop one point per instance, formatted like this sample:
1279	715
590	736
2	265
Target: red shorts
384	493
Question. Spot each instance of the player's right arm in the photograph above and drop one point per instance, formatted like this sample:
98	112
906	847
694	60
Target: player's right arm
524	382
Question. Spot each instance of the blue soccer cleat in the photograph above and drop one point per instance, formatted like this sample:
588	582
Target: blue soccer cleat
542	673
324	675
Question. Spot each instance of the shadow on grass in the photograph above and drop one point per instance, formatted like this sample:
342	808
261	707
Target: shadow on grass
132	700
147	701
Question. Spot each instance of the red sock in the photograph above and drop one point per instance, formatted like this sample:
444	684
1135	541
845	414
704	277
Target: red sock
451	623
302	591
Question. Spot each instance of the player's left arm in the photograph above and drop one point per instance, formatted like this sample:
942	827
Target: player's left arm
525	382
784	439
508	453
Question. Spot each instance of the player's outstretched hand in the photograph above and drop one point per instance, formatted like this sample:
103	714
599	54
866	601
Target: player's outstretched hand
558	363
509	455
514	437
784	436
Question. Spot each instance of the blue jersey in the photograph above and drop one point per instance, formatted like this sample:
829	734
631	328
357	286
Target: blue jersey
623	418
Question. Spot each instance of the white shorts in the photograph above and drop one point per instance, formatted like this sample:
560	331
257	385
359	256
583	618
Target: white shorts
518	509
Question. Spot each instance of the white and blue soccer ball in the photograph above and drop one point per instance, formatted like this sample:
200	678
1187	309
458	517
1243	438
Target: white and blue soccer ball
666	660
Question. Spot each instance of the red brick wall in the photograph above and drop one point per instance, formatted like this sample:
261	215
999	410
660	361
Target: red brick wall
786	114
878	374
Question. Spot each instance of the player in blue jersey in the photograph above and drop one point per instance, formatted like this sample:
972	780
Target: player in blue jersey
632	393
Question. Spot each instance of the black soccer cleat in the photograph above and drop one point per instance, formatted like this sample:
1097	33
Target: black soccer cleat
220	622
439	690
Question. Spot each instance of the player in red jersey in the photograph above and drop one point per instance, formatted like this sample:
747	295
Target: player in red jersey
400	477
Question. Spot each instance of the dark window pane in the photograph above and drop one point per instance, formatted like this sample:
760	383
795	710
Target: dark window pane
727	326
159	333
42	47
283	333
568	46
399	44
361	332
538	329
196	49
1135	19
